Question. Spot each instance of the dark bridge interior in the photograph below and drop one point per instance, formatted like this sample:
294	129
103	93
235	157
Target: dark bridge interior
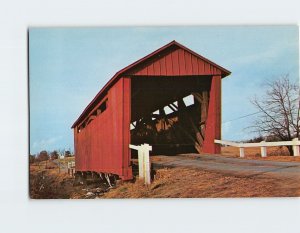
169	113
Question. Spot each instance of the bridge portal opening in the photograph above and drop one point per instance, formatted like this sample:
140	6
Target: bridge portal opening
169	113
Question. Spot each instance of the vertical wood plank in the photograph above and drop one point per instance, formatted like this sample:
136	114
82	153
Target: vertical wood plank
188	63
127	172
296	147
143	71
141	162
169	64
163	69
175	62
263	151
213	122
146	149
150	69
201	66
242	152
181	61
206	68
156	68
195	65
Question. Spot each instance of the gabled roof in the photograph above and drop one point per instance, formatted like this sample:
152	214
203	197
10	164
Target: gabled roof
132	66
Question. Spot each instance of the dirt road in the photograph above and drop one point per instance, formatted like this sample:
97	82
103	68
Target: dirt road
230	166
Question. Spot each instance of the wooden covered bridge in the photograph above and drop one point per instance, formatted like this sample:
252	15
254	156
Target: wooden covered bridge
170	99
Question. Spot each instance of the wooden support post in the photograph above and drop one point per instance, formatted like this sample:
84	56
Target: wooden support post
263	150
213	118
162	115
141	162
202	98
204	106
183	117
108	180
296	147
198	97
242	152
144	161
199	139
181	108
146	149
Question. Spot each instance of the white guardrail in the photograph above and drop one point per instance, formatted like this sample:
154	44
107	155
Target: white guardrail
144	161
263	146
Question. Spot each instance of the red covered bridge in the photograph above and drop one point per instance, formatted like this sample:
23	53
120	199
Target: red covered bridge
170	99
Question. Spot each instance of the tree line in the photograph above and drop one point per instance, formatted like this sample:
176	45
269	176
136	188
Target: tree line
45	155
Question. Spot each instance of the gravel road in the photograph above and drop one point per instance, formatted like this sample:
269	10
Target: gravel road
230	166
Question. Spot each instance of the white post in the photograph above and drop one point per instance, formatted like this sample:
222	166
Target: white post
146	149
141	161
242	152
296	147
263	150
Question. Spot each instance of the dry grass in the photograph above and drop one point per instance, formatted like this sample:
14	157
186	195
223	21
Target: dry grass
273	153
188	183
47	183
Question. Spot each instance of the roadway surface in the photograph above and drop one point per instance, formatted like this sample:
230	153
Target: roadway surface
230	166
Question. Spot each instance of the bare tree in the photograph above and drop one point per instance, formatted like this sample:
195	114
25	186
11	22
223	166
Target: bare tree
279	117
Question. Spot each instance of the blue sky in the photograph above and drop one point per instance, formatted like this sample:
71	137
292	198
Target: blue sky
68	66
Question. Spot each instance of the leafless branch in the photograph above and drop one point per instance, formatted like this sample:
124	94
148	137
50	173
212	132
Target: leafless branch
280	110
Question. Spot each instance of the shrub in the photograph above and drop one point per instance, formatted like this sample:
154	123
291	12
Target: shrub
43	156
54	155
68	153
31	159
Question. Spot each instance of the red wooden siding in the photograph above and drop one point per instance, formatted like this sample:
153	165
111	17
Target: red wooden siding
102	146
126	161
178	62
213	123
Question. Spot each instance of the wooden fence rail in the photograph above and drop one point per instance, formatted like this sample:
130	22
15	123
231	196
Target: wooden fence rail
263	146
